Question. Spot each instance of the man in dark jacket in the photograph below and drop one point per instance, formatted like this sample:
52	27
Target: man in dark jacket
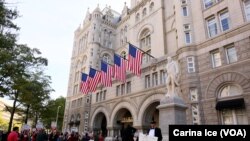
154	131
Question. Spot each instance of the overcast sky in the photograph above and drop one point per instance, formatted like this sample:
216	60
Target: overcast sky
49	25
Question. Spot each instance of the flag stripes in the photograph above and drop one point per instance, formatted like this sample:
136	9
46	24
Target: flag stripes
120	68
84	87
94	79
106	74
134	60
133	64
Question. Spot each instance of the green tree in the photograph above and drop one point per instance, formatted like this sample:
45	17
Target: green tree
49	113
34	97
20	66
3	123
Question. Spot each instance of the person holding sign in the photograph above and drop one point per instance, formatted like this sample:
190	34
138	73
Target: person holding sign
154	131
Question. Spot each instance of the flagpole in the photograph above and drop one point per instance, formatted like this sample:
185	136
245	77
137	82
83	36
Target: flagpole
141	50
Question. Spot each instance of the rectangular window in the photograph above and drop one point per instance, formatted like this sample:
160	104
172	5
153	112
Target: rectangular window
79	102
187	37
224	21
155	79
212	27
86	115
77	76
75	90
97	97
216	59
193	94
118	90
195	114
143	42
162	77
231	55
100	97
104	94
145	57
128	87
247	9
148	41
147	81
184	11
208	3
186	27
234	116
122	89
184	2
190	64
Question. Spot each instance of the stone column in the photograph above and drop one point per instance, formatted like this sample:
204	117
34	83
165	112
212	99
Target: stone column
109	134
172	110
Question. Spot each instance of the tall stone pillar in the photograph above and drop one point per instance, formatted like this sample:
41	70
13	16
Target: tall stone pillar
172	110
110	135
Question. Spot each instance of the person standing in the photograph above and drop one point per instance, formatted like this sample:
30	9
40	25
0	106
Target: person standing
154	131
13	136
100	137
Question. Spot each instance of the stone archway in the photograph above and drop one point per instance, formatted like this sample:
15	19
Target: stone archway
100	124
123	118
150	114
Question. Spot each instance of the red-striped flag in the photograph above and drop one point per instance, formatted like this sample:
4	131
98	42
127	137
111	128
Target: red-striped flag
120	68
106	74
84	87
94	79
134	60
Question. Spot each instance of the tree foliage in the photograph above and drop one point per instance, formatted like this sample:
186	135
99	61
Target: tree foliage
21	68
49	113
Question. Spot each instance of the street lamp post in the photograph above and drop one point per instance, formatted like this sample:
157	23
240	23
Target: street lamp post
57	114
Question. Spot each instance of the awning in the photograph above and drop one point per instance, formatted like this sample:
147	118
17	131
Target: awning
232	103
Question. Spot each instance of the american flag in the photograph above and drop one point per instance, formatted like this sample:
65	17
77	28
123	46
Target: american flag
106	74
84	87
120	68
134	60
94	79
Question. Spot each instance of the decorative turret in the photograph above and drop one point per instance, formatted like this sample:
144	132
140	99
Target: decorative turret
109	15
97	14
125	10
87	17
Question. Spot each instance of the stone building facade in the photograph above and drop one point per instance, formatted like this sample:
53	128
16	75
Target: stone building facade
210	39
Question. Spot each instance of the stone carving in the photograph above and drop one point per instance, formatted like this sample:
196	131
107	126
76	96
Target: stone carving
172	80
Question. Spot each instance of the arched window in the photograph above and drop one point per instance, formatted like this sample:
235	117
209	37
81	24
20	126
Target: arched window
84	60
230	90
125	28
231	113
78	117
151	7
145	39
144	12
137	17
106	58
124	55
145	43
72	118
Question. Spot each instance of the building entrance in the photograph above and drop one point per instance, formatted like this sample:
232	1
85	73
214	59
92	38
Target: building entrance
122	121
100	124
150	114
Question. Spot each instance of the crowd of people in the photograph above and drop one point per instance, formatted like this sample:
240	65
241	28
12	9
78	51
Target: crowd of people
53	135
127	134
